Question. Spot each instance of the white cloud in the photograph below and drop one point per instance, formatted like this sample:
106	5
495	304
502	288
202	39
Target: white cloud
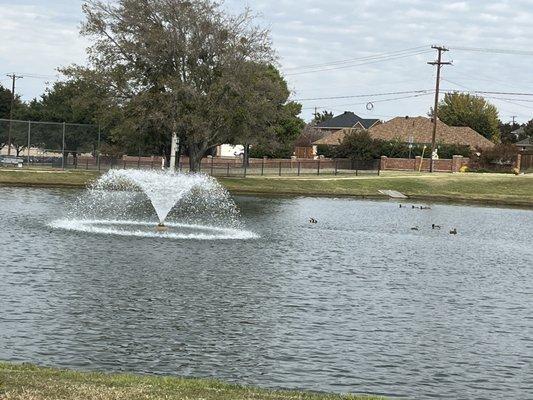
38	36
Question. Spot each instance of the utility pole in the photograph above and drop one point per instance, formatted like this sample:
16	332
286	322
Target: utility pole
514	117
439	63
14	77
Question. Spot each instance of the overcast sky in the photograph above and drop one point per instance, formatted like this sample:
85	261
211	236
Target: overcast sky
37	36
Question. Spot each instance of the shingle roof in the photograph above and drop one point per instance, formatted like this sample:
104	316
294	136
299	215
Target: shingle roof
347	120
420	129
525	142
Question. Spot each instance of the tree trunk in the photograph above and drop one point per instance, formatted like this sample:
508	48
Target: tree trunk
196	153
246	156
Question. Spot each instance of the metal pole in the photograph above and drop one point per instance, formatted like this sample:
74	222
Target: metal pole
212	161
299	167
280	168
29	141
227	165
99	146
63	149
263	167
336	167
245	169
318	167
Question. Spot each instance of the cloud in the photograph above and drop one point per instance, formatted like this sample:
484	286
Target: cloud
38	37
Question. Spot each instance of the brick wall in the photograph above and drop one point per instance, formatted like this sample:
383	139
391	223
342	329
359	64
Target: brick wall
409	164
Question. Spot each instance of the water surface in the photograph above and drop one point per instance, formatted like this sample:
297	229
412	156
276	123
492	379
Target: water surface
356	303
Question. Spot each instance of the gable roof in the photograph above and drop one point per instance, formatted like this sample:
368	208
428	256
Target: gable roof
347	120
526	142
420	129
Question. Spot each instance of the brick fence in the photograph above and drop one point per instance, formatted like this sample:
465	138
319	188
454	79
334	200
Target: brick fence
410	164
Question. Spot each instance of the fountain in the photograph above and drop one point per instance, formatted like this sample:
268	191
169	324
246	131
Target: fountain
186	206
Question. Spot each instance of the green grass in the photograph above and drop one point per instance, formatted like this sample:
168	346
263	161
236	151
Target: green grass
27	382
54	178
503	189
485	188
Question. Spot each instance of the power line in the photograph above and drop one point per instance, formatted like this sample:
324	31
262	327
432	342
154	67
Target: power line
388	58
364	95
494	51
352	60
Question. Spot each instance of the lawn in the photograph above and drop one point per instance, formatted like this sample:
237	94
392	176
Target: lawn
26	382
504	189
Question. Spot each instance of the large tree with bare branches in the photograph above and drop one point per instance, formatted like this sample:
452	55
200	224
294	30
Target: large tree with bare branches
177	66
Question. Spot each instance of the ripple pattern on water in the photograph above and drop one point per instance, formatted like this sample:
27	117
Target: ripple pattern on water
355	303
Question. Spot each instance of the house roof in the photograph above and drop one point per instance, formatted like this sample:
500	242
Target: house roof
347	120
526	142
420	129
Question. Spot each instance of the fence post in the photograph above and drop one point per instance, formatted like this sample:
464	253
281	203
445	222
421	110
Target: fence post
29	141
124	163
336	167
357	167
318	167
263	166
379	167
87	163
63	148
99	146
299	167
212	165
280	168
245	169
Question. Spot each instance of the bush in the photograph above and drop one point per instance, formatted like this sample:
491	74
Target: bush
278	151
327	151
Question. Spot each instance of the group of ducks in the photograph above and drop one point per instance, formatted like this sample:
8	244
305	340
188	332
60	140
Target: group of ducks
433	226
419	208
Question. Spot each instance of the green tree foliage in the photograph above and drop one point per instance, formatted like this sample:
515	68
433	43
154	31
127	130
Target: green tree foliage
5	113
177	66
528	130
319	117
75	102
463	109
505	132
359	145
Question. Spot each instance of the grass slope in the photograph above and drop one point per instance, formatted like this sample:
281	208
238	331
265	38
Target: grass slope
26	382
482	188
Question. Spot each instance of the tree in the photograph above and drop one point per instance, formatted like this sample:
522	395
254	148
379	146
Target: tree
463	109
5	113
528	130
76	102
319	117
506	134
173	66
358	145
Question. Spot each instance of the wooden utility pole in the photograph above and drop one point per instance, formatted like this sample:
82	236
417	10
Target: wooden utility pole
439	63
14	77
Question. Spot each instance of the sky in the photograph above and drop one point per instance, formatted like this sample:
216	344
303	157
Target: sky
356	49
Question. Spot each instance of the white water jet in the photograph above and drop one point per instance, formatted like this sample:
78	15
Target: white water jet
122	202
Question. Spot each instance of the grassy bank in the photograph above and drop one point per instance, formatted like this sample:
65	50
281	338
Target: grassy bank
494	189
25	382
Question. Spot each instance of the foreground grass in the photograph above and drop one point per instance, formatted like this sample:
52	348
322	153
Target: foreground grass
26	382
504	189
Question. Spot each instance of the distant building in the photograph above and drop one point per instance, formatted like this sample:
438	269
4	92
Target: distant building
416	130
346	120
525	145
229	150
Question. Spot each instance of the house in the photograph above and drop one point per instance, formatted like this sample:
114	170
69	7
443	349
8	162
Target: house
346	120
303	146
229	150
525	145
417	130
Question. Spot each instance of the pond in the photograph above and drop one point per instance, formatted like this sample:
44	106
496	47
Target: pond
358	302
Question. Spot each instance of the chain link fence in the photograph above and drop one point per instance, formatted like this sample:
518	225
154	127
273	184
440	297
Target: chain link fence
50	144
38	144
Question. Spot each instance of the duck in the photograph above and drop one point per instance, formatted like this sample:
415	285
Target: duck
433	226
313	221
453	231
415	228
